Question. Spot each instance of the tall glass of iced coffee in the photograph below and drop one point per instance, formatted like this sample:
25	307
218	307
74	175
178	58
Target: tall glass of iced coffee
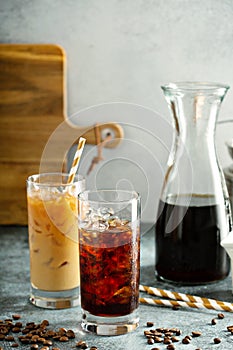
53	239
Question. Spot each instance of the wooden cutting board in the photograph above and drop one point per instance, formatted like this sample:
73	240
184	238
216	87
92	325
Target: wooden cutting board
32	107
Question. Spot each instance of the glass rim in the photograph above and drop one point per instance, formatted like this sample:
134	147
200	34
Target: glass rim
194	86
83	196
33	179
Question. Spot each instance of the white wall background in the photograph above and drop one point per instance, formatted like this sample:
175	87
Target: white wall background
122	51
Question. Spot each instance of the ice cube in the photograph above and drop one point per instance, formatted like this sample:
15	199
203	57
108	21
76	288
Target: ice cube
100	225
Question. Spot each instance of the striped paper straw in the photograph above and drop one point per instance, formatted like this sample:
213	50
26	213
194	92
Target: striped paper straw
214	304
76	160
187	304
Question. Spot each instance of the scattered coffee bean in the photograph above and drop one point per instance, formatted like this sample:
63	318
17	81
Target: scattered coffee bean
175	307
9	338
167	340
64	339
151	349
178	332
171	347
168	334
150	324
150	341
174	339
213	321
188	337
185	340
14	345
34	347
55	348
82	344
217	340
48	342
45	348
196	334
93	348
15	330
70	334
221	316
16	317
158	339
18	324
45	323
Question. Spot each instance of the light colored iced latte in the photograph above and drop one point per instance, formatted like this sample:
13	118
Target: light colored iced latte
53	237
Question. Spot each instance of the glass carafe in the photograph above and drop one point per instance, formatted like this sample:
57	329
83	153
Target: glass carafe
194	211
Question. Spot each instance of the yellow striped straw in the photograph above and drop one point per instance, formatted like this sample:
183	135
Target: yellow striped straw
76	160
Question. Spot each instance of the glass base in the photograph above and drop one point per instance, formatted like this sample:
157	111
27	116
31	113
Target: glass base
55	300
109	325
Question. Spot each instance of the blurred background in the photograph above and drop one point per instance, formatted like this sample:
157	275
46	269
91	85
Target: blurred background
119	53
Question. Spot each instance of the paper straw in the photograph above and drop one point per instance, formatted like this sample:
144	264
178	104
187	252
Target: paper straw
76	160
187	304
215	304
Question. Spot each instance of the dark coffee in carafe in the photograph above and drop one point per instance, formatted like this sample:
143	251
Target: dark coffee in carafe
194	212
189	251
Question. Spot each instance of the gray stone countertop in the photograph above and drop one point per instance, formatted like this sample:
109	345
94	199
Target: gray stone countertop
14	291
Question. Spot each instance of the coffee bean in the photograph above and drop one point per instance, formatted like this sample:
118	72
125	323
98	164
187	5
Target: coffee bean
168	334
63	339
16	317
48	342
34	347
157	334
14	345
50	333
217	340
18	324
158	339
185	340
2	336
221	316
171	347
151	349
174	339
44	323
150	324
93	348
70	334
196	334
41	340
25	340
55	348
178	332
81	344
213	321
150	341
15	330
45	348
230	328
9	338
167	340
